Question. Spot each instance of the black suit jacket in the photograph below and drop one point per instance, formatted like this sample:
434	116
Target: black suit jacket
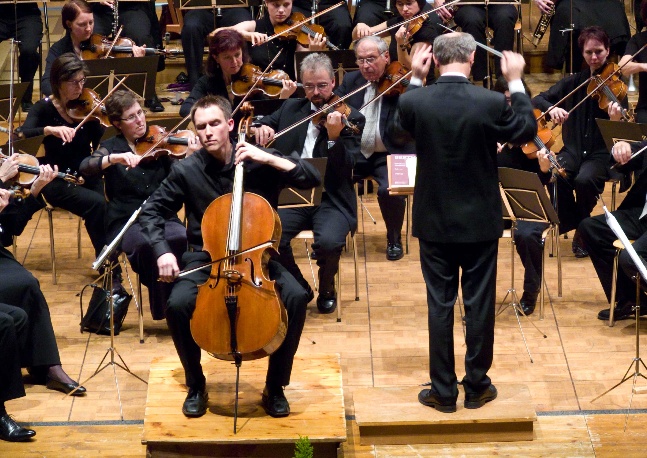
402	143
456	127
338	183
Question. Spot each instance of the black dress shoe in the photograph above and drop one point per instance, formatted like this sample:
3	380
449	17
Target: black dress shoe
621	312
73	389
275	403
195	404
309	293
12	431
430	399
154	104
394	251
578	246
327	302
528	302
474	401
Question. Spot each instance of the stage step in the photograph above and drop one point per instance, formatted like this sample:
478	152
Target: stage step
316	403
393	416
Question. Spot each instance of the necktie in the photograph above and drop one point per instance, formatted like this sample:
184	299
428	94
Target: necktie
370	113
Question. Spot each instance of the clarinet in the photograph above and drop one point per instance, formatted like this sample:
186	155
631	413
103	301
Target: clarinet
542	25
115	17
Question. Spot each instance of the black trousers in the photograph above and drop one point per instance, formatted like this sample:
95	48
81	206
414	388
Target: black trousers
197	25
144	262
440	269
371	12
140	24
527	239
181	305
501	19
29	30
392	207
577	196
336	23
13	337
19	288
598	239
86	201
329	227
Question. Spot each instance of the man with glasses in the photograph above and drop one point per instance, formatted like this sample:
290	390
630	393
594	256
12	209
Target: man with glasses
372	59
337	214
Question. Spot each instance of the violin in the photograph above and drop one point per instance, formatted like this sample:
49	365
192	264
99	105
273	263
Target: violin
333	105
101	47
301	33
413	27
28	170
270	84
607	87
395	71
157	142
88	102
543	140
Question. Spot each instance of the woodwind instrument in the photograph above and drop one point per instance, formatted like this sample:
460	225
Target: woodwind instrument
542	26
115	17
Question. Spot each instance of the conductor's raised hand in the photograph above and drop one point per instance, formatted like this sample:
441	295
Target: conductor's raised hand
421	60
512	65
167	267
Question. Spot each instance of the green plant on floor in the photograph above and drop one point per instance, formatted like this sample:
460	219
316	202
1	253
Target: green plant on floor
303	448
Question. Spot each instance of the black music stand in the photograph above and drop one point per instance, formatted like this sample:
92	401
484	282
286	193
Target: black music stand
292	197
342	61
524	198
106	73
620	131
18	91
28	145
167	123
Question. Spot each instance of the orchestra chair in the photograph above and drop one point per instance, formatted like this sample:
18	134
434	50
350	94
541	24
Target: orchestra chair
176	17
137	296
50	210
619	246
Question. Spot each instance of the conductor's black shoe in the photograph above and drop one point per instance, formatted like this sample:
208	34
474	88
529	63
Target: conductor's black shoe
528	302
275	403
195	404
327	302
73	389
12	431
154	104
621	312
394	251
474	401
430	399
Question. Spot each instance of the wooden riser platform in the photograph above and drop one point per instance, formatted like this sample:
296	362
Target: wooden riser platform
316	403
393	416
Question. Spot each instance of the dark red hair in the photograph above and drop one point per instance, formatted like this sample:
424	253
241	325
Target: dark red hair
223	41
593	33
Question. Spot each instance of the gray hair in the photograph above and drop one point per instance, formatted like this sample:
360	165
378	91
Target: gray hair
315	61
454	48
382	47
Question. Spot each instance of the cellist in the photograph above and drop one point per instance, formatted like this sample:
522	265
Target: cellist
195	182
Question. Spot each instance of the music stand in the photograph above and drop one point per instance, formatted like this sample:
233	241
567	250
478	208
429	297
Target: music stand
208	4
524	198
28	145
294	198
105	73
620	131
342	61
167	123
5	103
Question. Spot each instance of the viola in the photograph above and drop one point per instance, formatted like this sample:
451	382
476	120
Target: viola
88	102
28	170
158	142
270	84
98	47
394	72
333	105
607	87
543	140
301	33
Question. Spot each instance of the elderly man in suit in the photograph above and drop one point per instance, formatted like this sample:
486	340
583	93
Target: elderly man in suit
373	58
457	207
337	214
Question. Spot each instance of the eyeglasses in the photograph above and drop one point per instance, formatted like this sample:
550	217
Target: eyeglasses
132	117
367	60
320	86
79	82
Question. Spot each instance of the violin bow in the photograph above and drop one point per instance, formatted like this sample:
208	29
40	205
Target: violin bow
640	151
99	104
412	18
299	24
267	244
256	83
377	97
114	40
320	110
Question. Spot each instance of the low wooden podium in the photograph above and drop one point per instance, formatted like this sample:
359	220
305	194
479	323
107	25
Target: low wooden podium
316	404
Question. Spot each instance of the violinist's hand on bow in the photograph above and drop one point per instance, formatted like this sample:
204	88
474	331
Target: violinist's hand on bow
263	134
5	195
9	168
544	162
615	111
167	267
334	125
443	12
46	175
621	152
256	38
63	132
421	60
558	115
128	159
289	87
545	5
362	30
317	43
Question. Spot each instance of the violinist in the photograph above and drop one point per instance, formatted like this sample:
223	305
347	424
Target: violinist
404	40
22	298
584	156
336	216
257	32
377	140
67	147
336	22
195	182
227	54
638	65
129	180
472	19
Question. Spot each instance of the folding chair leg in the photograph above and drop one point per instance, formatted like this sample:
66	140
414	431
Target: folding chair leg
52	250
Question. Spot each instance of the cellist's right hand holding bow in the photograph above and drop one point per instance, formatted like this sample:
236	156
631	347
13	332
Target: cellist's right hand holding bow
167	267
621	152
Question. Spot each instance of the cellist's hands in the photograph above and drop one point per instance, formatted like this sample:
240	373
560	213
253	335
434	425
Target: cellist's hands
167	267
246	151
263	134
621	152
63	132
